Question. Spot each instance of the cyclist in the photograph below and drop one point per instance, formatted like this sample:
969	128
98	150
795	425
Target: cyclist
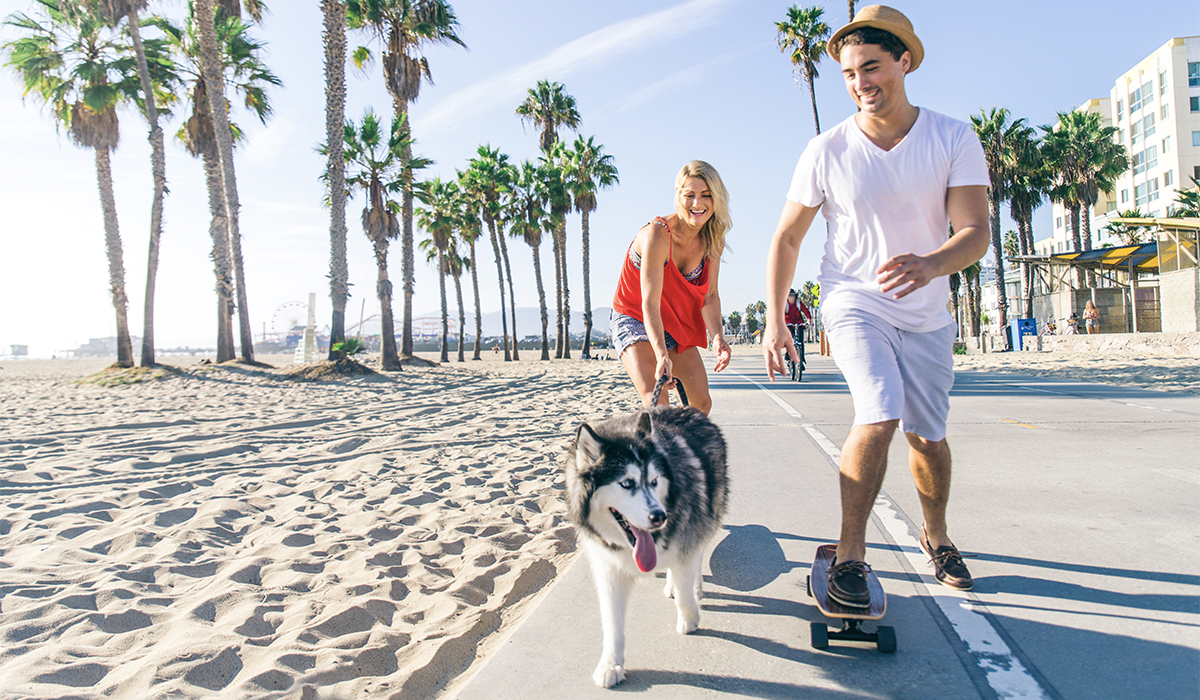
796	316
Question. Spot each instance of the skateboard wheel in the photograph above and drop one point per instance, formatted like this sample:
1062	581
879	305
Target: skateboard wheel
886	641
808	585
820	635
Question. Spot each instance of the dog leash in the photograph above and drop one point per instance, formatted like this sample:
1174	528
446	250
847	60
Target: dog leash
662	381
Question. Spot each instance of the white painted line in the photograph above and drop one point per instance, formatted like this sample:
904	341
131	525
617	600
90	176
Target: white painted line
967	615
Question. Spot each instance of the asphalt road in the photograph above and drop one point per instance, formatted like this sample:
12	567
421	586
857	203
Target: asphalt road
1080	503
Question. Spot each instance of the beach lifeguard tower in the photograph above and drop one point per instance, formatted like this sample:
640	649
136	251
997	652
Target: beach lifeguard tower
306	349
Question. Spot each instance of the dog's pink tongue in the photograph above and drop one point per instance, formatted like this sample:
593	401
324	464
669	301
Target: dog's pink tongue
644	553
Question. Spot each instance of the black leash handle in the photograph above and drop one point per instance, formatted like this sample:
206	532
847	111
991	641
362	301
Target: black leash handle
658	386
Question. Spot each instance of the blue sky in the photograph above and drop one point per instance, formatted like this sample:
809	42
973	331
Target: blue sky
657	83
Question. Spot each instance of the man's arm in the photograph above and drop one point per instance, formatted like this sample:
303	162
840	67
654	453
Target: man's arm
967	208
781	267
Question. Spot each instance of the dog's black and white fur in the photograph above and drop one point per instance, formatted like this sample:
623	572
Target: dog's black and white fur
646	492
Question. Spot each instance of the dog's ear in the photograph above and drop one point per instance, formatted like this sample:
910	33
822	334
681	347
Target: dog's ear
644	426
587	446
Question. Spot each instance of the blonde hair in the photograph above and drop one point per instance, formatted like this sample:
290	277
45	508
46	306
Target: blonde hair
713	232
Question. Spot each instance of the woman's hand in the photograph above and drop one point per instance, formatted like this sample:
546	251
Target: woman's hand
664	367
724	354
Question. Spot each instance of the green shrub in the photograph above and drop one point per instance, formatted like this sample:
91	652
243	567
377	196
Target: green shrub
350	347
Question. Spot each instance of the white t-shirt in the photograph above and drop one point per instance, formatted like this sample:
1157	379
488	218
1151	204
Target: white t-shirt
882	203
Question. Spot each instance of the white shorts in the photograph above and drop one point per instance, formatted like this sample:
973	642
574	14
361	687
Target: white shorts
894	374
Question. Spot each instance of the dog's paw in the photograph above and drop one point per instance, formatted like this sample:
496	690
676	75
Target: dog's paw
687	625
669	589
608	675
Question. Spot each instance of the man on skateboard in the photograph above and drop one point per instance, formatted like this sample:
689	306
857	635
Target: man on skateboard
887	180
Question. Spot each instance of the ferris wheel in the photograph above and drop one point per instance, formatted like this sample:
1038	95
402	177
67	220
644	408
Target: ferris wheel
288	315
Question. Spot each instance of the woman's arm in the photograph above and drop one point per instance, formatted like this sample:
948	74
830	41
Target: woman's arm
711	313
656	249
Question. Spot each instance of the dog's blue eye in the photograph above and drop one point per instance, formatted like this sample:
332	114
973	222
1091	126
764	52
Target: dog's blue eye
654	484
628	484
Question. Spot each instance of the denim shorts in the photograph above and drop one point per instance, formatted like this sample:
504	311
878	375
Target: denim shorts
627	330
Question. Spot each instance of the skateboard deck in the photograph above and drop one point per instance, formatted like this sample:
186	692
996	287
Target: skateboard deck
818	587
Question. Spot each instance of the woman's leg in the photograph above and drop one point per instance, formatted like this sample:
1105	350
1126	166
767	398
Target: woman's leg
688	368
639	361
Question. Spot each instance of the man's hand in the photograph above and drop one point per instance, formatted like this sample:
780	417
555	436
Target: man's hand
724	354
905	272
776	341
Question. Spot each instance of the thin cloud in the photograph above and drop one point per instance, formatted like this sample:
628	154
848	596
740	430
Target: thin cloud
683	78
599	47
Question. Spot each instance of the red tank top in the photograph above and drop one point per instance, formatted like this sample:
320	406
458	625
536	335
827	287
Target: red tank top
680	304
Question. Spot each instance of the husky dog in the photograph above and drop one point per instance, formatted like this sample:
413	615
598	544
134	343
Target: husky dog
646	491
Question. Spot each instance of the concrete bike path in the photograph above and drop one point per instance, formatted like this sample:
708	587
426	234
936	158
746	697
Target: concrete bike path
1039	492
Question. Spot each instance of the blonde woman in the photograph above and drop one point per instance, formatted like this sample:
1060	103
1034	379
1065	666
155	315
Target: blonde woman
1091	318
667	304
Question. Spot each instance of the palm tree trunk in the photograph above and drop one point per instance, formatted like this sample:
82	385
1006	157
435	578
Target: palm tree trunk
850	3
955	285
218	228
462	318
1085	234
389	359
500	276
478	311
537	273
998	255
587	293
116	263
406	245
158	166
558	342
441	264
978	322
334	39
215	84
566	326
1026	270
512	296
1077	240
813	94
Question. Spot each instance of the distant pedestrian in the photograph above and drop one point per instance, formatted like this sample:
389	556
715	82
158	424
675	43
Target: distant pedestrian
1091	318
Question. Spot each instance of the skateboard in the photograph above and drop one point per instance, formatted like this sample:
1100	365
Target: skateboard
883	637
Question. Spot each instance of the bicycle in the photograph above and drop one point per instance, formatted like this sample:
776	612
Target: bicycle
796	369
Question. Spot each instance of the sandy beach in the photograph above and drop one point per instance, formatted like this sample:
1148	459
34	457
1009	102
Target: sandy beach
226	531
234	532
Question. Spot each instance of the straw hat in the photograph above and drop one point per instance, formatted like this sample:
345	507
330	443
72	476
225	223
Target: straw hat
889	20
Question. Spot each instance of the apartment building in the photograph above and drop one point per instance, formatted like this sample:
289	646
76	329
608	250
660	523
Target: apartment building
1155	107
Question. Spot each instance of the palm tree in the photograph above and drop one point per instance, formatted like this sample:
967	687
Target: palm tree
1187	202
439	220
470	232
71	61
334	41
1085	161
487	178
376	167
1029	185
1128	234
850	4
115	10
589	169
805	35
735	321
455	264
558	198
404	27
210	61
548	107
528	219
244	73
999	137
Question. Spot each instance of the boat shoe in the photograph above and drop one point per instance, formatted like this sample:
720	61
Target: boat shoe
948	566
848	584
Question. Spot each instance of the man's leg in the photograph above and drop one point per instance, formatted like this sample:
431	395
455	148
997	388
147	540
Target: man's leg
930	465
862	468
